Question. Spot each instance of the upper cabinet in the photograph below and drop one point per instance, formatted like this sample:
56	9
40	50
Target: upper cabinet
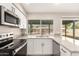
7	5
23	21
22	17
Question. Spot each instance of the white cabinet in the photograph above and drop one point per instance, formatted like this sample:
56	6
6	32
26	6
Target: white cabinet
39	47
7	5
22	21
64	51
47	46
30	47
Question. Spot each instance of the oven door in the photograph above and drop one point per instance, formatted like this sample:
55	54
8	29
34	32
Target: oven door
6	51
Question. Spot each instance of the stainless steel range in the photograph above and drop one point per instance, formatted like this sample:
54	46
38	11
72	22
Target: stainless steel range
10	46
6	40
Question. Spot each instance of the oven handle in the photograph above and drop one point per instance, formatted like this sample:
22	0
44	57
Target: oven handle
16	50
8	46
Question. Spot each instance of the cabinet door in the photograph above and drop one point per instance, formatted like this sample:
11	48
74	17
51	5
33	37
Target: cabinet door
47	46
43	47
30	47
37	47
23	21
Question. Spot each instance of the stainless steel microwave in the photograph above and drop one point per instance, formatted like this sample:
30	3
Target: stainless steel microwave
7	17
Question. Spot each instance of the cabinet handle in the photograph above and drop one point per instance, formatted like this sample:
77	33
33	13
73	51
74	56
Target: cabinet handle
63	50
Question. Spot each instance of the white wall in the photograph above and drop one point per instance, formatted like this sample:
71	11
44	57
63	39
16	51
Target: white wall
50	15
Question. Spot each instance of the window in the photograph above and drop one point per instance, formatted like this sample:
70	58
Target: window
34	26
46	27
77	30
40	27
67	28
70	30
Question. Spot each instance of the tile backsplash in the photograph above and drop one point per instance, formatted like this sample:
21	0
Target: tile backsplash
6	29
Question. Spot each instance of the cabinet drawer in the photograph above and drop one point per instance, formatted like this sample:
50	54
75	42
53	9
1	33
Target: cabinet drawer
64	51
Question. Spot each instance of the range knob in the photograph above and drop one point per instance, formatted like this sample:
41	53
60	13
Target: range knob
6	35
11	34
3	36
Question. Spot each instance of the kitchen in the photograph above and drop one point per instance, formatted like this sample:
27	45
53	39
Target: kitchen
39	29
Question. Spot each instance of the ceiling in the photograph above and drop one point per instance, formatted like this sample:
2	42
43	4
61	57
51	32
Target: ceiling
51	7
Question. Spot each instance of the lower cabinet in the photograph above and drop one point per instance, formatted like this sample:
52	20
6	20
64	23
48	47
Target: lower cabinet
30	46
66	52
39	47
47	47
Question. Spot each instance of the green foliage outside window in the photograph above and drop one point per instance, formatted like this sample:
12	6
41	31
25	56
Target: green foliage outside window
69	26
77	25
